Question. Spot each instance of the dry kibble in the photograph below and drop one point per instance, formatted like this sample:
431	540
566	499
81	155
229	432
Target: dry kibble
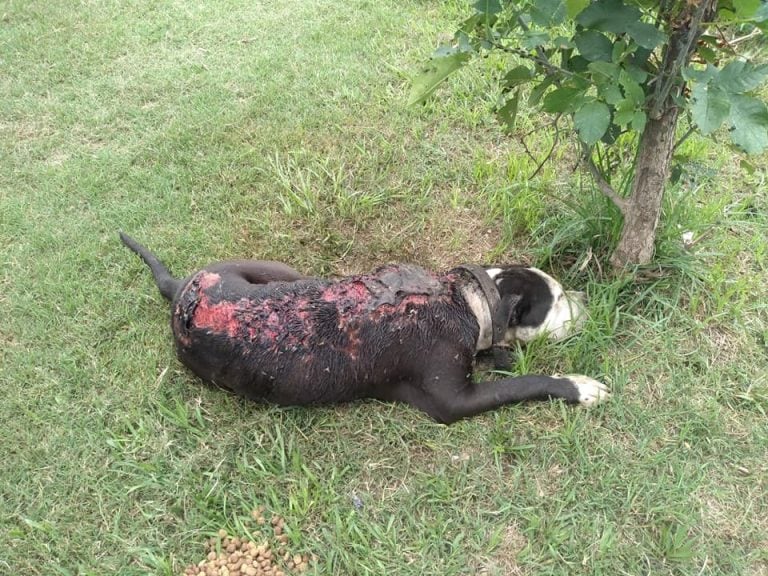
240	556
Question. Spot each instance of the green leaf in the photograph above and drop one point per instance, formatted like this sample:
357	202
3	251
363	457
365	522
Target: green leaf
638	121
507	114
646	35
539	89
470	24
488	6
434	74
534	38
707	54
746	9
518	75
593	45
632	90
576	64
747	166
564	99
691	74
609	16
623	117
574	7
619	50
749	118
591	121
637	74
710	107
607	69
610	93
548	12
739	76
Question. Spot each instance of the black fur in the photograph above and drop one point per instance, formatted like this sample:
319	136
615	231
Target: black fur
401	333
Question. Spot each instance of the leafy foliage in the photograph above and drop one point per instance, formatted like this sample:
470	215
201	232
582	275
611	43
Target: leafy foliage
608	63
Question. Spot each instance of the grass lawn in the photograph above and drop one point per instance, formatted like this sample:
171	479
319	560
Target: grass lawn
278	130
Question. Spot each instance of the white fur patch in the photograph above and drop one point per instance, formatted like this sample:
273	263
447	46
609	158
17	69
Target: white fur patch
479	306
591	391
566	315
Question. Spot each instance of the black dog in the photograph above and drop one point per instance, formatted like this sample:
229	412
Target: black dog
401	333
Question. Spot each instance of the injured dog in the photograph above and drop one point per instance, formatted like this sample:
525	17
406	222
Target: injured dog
401	333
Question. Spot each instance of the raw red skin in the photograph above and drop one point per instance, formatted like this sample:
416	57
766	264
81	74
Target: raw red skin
283	331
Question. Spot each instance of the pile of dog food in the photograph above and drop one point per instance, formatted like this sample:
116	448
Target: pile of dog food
234	556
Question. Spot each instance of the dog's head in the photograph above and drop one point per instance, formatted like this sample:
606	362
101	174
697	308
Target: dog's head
536	304
540	305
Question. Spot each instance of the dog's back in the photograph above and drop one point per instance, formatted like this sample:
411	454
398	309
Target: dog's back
313	341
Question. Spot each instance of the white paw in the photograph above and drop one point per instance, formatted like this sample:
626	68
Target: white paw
591	391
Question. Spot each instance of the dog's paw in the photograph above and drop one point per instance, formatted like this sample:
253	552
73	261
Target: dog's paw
590	391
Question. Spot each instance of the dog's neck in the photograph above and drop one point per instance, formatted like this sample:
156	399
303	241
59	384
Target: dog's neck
482	303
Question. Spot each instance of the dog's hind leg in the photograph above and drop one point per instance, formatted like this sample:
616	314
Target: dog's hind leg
257	271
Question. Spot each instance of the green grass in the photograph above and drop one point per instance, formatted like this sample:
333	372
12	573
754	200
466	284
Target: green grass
277	130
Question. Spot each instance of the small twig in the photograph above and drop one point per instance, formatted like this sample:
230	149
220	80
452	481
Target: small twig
541	54
546	158
540	164
527	150
684	137
731	44
540	58
754	34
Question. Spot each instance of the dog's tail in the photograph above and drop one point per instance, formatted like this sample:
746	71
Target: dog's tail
167	284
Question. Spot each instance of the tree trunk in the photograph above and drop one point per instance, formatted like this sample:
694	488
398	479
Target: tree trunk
643	207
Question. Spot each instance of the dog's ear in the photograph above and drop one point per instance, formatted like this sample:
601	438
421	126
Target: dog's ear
501	318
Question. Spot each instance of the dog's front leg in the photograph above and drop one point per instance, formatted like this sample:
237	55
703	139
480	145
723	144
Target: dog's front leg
448	393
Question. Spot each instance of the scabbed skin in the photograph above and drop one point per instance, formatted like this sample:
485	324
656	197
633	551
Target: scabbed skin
315	341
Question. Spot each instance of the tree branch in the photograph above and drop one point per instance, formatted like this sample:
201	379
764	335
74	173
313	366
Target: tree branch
679	50
602	183
541	56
